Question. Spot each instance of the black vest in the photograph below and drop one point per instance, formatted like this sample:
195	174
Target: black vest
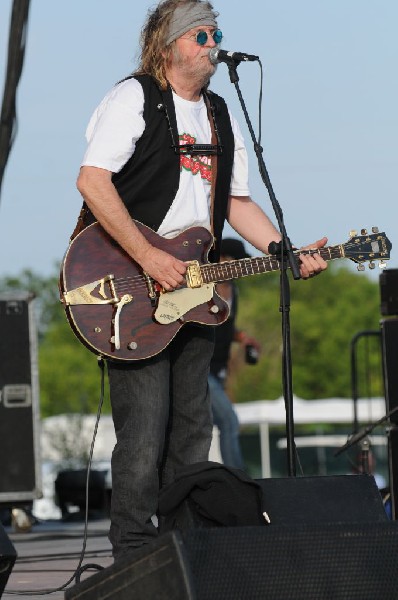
149	181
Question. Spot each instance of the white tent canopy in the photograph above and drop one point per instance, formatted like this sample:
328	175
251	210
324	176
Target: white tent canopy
330	410
71	435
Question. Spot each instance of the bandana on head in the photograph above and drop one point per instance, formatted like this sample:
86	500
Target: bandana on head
187	17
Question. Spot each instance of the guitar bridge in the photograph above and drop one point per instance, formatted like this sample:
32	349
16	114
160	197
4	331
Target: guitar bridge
85	293
151	289
193	274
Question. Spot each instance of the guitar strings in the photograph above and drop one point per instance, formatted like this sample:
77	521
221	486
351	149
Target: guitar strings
248	266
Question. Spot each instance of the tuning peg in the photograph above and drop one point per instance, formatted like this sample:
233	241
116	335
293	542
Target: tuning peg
364	232
375	230
361	267
382	264
371	265
353	233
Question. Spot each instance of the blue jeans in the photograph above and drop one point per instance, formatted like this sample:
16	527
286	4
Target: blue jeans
225	418
162	419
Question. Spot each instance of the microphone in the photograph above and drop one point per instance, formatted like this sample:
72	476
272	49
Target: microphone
216	55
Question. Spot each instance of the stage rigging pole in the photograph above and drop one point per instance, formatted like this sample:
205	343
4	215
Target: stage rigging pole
16	52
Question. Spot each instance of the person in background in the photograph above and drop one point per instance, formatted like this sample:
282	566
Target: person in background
224	415
366	463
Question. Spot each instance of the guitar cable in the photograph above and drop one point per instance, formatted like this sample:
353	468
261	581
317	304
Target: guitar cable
79	569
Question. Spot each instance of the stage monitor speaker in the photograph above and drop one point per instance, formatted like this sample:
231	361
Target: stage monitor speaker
19	406
304	562
389	348
329	537
159	570
328	499
7	559
393	468
70	488
302	500
388	281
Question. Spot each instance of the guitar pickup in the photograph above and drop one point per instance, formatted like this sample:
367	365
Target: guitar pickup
193	274
85	293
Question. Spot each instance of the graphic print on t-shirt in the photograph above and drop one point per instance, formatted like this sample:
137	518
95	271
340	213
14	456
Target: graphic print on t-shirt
196	164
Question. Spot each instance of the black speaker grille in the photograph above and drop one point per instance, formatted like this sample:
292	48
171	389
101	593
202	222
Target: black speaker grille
303	562
389	292
389	343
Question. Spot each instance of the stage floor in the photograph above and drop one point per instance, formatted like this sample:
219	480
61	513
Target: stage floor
49	554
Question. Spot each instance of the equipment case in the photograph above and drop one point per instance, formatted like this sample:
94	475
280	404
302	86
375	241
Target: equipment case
20	472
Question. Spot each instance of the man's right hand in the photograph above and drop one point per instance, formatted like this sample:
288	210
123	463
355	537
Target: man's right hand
164	268
102	198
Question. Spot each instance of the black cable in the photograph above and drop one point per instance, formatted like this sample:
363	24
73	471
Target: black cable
86	568
79	569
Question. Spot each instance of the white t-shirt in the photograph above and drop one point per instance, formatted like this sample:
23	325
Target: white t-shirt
117	124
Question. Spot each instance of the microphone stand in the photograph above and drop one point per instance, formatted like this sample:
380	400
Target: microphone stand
283	250
358	436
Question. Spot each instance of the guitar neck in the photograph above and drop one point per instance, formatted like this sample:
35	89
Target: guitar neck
235	269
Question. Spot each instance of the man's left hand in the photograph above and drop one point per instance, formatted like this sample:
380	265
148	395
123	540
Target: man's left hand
312	264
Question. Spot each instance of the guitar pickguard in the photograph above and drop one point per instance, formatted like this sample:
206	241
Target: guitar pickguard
174	305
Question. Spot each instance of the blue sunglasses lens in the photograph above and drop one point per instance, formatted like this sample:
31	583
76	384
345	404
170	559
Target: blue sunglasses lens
217	36
201	37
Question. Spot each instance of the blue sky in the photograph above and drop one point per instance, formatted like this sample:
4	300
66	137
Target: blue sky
329	125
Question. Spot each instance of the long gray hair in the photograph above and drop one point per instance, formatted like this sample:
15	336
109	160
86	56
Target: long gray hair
154	52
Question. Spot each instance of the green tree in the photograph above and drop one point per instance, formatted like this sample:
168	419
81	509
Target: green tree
326	312
43	289
70	378
69	375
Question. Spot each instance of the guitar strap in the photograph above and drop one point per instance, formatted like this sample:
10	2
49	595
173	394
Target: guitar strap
213	158
81	224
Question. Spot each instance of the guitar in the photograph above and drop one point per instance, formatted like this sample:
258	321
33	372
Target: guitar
117	311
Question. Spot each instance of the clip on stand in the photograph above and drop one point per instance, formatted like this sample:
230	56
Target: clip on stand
362	437
282	250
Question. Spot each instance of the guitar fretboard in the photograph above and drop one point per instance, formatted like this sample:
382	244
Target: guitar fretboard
255	266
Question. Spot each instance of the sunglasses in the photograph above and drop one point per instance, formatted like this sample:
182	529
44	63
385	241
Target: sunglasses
202	36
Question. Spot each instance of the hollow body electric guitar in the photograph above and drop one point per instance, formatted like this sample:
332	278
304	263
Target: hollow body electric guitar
117	311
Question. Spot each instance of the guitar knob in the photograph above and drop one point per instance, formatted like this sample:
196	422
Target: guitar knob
132	346
353	233
375	230
361	267
382	264
371	265
214	309
364	231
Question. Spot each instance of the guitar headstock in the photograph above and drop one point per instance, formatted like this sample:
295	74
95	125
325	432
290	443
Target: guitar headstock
368	247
